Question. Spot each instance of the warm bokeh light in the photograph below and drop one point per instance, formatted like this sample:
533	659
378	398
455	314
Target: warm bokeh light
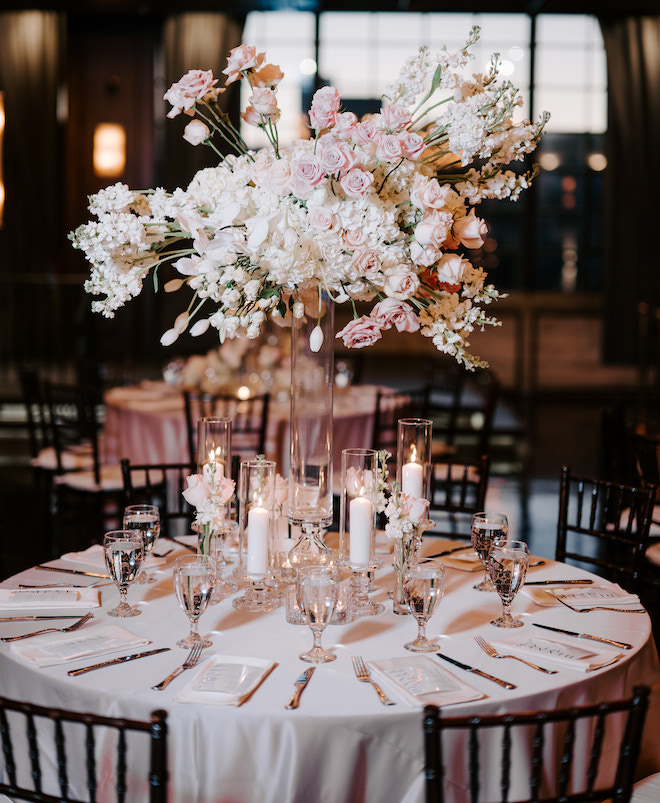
549	161
597	161
109	150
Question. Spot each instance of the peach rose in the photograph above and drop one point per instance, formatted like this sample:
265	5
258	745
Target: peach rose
242	59
433	228
450	269
264	101
470	230
196	132
400	283
390	312
415	509
187	90
198	490
365	261
359	333
269	75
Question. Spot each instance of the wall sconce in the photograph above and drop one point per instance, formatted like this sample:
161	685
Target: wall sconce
109	154
2	131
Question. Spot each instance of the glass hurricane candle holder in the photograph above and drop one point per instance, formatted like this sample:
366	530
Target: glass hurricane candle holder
357	524
214	448
413	456
256	496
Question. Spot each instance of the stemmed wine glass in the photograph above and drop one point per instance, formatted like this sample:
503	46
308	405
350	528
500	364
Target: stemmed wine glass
317	588
423	588
486	527
194	576
144	519
507	566
124	553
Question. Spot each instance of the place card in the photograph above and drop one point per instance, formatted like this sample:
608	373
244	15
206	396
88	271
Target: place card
226	680
61	648
467	561
419	680
568	655
69	599
581	596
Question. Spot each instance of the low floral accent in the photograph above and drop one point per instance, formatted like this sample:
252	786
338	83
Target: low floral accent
209	498
377	210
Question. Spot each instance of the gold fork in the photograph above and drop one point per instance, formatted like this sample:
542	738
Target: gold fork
364	675
599	608
192	660
490	650
68	629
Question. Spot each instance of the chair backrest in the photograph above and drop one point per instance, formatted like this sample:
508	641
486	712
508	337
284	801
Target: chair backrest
52	755
604	526
36	410
390	407
73	421
645	451
458	491
550	756
249	420
160	484
462	409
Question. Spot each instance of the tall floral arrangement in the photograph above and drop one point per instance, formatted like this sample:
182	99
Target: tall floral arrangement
378	210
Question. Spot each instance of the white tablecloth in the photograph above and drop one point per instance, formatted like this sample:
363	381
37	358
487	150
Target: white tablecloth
147	425
341	744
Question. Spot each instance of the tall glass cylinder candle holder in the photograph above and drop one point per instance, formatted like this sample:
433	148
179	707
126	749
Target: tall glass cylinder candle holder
310	468
213	463
357	524
256	496
413	463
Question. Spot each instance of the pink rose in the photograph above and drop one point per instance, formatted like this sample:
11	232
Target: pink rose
356	182
321	218
260	170
390	312
428	194
412	145
433	228
353	237
251	116
451	268
366	262
241	59
388	148
365	134
279	177
424	256
470	230
325	105
359	333
401	283
395	116
344	125
414	508
306	174
224	490
269	75
192	87
281	489
196	132
336	156
198	490
264	101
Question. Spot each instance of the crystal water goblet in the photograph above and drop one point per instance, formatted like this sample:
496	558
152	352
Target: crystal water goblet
124	553
194	577
144	519
423	588
507	565
486	527
317	589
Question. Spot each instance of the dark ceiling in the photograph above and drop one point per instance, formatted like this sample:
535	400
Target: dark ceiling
160	7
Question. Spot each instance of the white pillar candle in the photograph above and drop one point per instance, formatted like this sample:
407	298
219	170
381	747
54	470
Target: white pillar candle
361	518
412	479
257	540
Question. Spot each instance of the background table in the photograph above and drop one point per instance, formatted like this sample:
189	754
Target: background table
147	424
341	744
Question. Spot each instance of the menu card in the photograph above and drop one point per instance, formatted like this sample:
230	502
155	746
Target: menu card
582	596
582	657
71	599
226	680
94	558
61	648
467	561
419	680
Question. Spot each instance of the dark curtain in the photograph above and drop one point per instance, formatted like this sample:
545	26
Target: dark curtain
196	42
30	243
631	263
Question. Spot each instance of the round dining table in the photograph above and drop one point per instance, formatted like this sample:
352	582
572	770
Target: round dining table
341	744
146	423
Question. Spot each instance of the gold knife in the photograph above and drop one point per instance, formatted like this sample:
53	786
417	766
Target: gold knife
71	571
121	660
300	685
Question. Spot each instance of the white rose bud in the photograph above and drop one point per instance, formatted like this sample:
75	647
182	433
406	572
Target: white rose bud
196	132
316	339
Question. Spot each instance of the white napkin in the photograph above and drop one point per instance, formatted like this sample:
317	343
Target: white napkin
73	599
94	558
419	680
226	680
581	596
61	648
467	561
582	657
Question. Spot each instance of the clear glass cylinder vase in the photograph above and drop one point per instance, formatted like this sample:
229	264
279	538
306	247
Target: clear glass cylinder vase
312	374
406	556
